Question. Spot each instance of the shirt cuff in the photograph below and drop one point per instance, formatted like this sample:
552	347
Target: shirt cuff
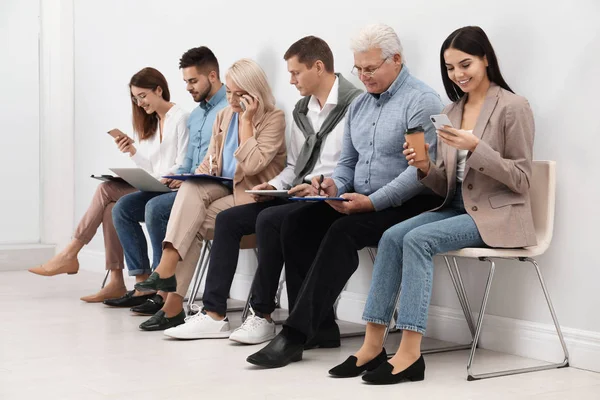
380	200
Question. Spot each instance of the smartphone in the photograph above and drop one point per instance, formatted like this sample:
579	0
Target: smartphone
243	105
117	134
440	120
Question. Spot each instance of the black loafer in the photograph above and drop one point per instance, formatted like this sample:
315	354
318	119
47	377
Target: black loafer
278	353
349	369
160	322
326	338
383	374
129	300
150	306
155	283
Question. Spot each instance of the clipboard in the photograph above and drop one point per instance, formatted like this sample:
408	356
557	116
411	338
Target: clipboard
186	177
108	178
317	198
273	193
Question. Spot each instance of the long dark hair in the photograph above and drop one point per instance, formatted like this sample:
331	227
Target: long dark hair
471	40
148	78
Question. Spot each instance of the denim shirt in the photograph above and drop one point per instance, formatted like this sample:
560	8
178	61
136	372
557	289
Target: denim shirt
200	124
372	162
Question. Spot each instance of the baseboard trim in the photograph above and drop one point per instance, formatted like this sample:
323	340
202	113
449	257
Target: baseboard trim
20	257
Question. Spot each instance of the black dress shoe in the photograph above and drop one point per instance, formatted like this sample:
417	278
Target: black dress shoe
129	300
278	353
383	374
160	322
155	283
326	338
150	306
349	369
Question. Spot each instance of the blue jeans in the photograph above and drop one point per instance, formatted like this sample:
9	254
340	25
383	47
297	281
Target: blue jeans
405	261
151	207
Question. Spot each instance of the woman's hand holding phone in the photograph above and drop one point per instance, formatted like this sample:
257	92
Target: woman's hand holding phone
250	106
125	145
458	138
410	155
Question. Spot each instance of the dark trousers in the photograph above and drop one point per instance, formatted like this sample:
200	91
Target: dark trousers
321	254
230	226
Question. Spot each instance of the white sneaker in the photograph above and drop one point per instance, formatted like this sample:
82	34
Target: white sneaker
254	330
200	326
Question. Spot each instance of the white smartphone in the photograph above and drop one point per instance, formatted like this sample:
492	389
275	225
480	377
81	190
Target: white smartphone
440	120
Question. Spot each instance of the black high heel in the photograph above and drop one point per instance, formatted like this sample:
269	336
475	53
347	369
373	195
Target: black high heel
383	375
349	369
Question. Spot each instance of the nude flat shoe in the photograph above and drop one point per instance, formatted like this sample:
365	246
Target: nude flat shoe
70	269
105	294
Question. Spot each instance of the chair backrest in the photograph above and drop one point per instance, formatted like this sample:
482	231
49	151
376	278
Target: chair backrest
543	199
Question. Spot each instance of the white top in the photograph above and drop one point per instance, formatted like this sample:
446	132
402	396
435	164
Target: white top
164	158
330	148
460	163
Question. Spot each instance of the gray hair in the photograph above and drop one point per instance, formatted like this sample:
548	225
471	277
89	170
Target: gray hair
377	36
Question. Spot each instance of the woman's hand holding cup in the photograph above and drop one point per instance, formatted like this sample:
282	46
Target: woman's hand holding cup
411	156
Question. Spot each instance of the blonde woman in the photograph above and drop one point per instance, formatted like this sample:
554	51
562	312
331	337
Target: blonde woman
248	145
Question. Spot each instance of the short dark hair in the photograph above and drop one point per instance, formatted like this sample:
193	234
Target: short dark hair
310	49
471	40
200	57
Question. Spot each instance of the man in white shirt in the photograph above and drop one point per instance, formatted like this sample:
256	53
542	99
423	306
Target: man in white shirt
313	150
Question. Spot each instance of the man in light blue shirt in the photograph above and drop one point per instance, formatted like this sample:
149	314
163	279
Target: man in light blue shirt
200	70
322	242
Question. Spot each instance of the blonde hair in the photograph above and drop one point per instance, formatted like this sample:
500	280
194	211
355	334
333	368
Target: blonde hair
249	76
378	36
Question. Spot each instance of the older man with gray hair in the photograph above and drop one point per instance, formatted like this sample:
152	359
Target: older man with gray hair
321	251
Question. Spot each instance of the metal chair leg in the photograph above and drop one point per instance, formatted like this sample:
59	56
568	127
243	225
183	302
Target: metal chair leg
279	290
565	363
200	271
247	305
105	279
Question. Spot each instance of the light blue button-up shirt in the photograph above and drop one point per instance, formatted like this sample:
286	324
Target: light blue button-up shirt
200	124
231	145
372	162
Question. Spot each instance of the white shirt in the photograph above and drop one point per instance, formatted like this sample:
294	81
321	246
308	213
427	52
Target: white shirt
164	158
330	148
461	160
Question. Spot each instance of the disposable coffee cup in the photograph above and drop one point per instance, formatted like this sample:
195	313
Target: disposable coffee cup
415	137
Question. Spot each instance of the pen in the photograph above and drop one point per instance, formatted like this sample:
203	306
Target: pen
320	183
210	166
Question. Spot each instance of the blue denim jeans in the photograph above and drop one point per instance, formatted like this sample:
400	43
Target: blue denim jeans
405	261
154	209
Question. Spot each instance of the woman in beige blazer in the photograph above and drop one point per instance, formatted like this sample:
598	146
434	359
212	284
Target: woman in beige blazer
483	171
248	145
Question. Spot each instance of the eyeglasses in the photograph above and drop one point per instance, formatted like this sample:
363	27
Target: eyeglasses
356	71
137	99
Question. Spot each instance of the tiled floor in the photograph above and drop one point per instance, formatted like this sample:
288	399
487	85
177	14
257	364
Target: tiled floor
53	346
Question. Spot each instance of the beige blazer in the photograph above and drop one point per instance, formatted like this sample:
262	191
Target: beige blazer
497	174
259	159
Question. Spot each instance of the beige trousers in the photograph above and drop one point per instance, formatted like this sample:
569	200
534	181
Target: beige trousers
100	212
192	217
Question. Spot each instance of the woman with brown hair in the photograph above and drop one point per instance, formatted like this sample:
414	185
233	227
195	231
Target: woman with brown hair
159	147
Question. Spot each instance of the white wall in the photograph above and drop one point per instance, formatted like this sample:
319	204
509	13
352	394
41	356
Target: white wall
548	52
19	118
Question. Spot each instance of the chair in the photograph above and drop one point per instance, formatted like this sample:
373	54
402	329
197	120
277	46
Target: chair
247	242
543	188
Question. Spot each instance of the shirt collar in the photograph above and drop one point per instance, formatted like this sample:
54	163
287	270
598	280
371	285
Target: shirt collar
313	104
396	85
216	99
